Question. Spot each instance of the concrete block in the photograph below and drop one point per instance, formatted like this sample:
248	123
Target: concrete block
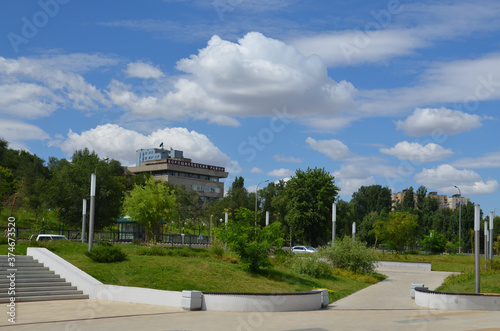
191	300
413	286
325	301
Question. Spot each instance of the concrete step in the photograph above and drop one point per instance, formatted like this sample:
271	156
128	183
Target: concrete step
31	280
20	257
17	264
25	271
40	293
34	282
33	275
45	288
46	298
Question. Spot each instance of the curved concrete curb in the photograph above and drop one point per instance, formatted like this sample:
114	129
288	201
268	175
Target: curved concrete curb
456	301
266	302
188	300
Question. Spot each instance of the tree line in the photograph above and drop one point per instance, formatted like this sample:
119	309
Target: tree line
302	204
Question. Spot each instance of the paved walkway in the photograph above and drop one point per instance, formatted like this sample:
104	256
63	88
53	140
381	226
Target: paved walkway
384	306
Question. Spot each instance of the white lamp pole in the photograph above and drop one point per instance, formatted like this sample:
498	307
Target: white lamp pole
477	216
84	215
92	209
353	231
459	220
334	220
486	244
492	217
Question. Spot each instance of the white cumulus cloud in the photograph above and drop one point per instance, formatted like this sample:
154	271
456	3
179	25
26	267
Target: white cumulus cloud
248	78
332	148
119	143
281	173
428	121
445	177
16	133
143	70
416	152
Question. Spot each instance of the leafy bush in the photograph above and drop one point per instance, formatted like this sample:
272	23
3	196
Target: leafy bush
217	249
152	250
434	243
137	242
452	247
312	267
252	245
106	253
496	245
350	255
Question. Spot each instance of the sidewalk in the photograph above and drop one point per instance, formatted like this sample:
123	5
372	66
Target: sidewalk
383	306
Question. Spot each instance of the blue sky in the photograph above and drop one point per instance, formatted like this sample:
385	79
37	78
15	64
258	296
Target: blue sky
395	93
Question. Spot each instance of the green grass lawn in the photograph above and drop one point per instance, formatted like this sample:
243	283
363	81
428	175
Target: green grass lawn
199	269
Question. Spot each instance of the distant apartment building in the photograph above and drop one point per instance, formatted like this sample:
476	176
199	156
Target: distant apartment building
171	166
452	202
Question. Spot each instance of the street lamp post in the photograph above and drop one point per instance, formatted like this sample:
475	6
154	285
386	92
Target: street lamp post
477	219
256	194
492	218
459	220
84	215
93	179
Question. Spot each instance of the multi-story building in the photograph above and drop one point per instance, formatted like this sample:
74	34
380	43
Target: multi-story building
151	154
452	202
443	199
172	167
456	200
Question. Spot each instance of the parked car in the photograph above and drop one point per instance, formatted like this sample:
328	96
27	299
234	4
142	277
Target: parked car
48	237
304	249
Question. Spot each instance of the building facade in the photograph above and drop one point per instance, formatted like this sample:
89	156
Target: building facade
201	178
452	202
151	154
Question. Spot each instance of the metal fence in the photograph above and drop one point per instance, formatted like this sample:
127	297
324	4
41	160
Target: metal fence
120	236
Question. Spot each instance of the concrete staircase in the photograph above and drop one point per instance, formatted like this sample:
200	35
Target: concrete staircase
34	282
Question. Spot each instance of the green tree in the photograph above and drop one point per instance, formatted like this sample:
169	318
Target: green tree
70	183
7	185
309	196
399	230
435	243
408	200
345	217
365	231
149	204
253	247
374	198
237	196
421	194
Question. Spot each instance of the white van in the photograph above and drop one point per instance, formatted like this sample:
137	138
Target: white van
49	237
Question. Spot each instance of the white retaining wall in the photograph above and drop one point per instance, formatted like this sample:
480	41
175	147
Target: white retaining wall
404	265
264	303
97	290
456	301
